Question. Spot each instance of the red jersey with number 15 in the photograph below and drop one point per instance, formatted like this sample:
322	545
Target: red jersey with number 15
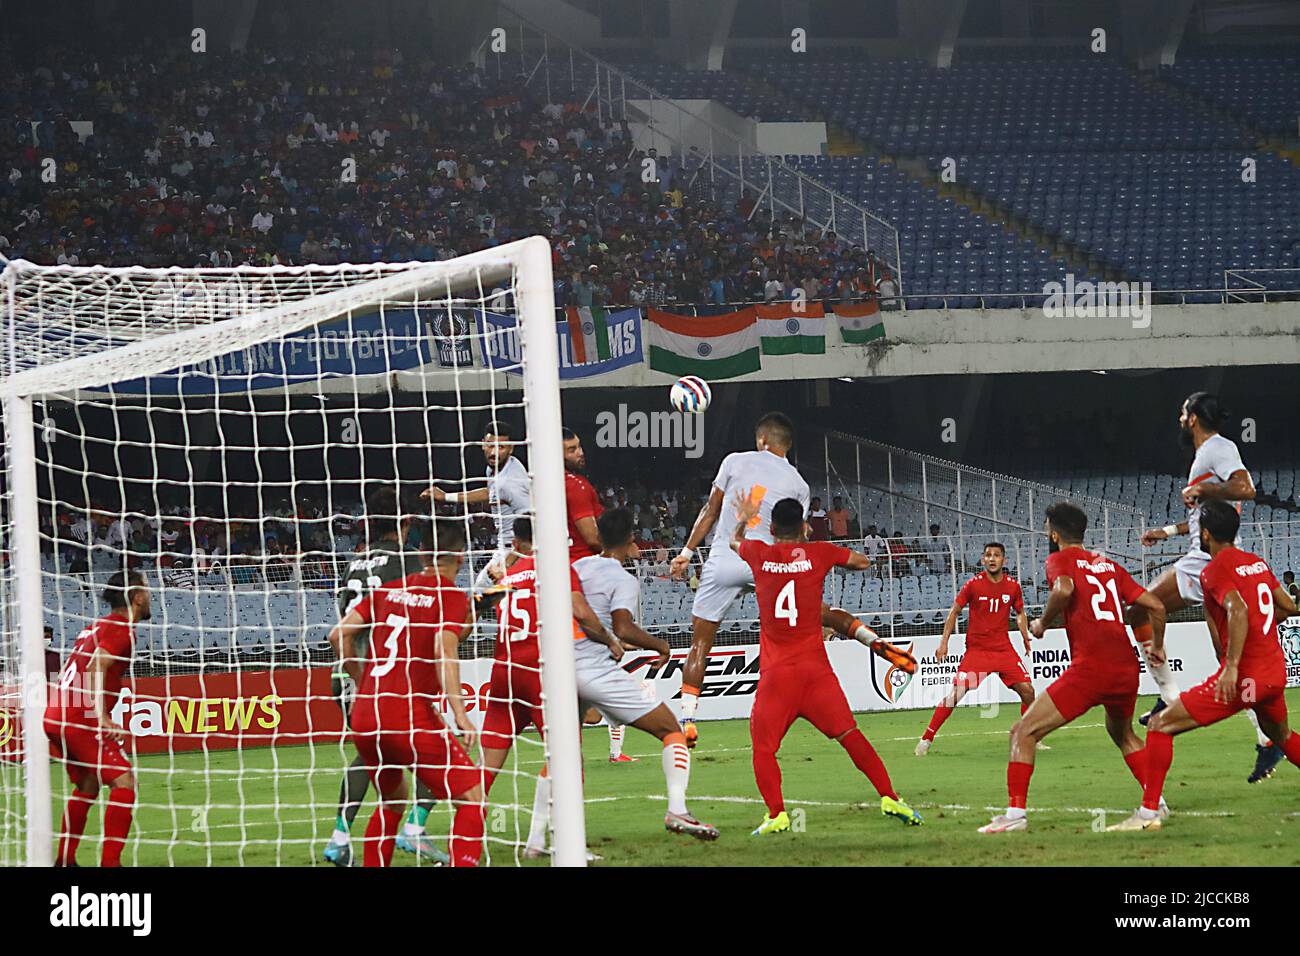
1094	618
788	581
581	501
1250	576
517	613
990	603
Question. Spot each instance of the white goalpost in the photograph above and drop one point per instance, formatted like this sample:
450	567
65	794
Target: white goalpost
217	430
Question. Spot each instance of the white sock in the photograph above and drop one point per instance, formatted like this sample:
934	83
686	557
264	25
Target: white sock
341	838
616	740
677	773
1260	736
411	829
1015	813
541	814
1163	677
689	703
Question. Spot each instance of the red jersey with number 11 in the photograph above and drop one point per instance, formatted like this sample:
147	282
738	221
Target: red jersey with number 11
788	582
1094	618
990	603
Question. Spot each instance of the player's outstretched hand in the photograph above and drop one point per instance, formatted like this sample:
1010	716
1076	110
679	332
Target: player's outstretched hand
677	567
746	507
1191	496
1036	627
434	492
1154	536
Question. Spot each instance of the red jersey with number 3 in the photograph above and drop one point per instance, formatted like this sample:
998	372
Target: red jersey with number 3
1094	618
72	702
581	501
788	581
407	618
990	603
1250	576
517	613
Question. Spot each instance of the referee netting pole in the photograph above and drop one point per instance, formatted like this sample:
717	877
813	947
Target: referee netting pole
220	389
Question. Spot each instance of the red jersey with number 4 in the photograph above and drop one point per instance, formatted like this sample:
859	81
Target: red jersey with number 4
581	501
1094	618
1250	576
407	618
517	613
788	581
72	701
990	604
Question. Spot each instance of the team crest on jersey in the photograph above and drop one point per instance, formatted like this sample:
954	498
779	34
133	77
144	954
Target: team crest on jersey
889	680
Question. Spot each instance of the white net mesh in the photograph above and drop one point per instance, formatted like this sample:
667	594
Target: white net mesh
221	431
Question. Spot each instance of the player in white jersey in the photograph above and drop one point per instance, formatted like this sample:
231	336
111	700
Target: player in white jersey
507	492
764	477
1217	472
612	594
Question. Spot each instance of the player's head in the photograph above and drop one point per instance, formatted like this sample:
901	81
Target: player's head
49	633
1202	414
774	432
1288	577
443	546
1066	524
127	592
523	536
385	520
616	538
498	443
575	460
1219	524
787	520
994	557
837	503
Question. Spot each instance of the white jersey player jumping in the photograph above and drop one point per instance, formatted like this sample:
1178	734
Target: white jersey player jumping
764	477
1217	471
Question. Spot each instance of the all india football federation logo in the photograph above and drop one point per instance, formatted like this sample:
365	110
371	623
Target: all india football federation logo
889	680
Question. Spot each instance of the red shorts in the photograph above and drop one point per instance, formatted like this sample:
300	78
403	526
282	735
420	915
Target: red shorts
1266	699
439	761
81	747
979	664
804	687
1080	689
514	702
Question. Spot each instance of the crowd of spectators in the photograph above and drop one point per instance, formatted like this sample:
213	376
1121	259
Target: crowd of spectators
295	156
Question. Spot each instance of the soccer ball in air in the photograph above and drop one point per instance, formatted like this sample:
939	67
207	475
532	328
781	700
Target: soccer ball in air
690	394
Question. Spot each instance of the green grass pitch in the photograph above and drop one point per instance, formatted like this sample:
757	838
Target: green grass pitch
279	804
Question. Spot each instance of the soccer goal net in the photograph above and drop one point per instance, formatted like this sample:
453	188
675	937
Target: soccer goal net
219	436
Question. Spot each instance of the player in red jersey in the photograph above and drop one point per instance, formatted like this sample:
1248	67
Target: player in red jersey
416	625
990	595
580	500
515	698
795	678
1092	592
1243	603
79	723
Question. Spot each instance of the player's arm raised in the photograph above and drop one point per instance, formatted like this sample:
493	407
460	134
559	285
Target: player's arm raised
704	523
628	631
1156	535
472	497
746	508
1225	688
1238	487
591	626
343	638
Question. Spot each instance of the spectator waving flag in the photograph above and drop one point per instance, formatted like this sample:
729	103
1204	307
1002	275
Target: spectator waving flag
589	333
714	347
792	328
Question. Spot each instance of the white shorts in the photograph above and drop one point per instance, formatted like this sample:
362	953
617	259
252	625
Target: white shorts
725	577
1188	570
620	697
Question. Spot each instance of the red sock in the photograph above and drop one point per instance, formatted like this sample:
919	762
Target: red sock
117	823
381	835
74	825
1291	747
1018	774
767	774
866	759
1137	765
941	713
1159	755
467	834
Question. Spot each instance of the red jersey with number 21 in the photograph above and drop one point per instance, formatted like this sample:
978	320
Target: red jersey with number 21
1094	618
788	581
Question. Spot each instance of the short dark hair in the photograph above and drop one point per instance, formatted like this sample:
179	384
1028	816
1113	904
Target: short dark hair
382	519
116	591
1220	519
778	429
1288	575
1208	410
787	518
1067	520
568	433
499	428
523	529
448	537
615	526
995	544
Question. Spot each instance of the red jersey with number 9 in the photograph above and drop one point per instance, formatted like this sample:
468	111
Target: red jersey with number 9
517	613
401	679
1094	618
1250	576
788	581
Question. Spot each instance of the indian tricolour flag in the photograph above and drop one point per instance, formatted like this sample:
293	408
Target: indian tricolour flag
860	323
792	328
588	334
712	347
